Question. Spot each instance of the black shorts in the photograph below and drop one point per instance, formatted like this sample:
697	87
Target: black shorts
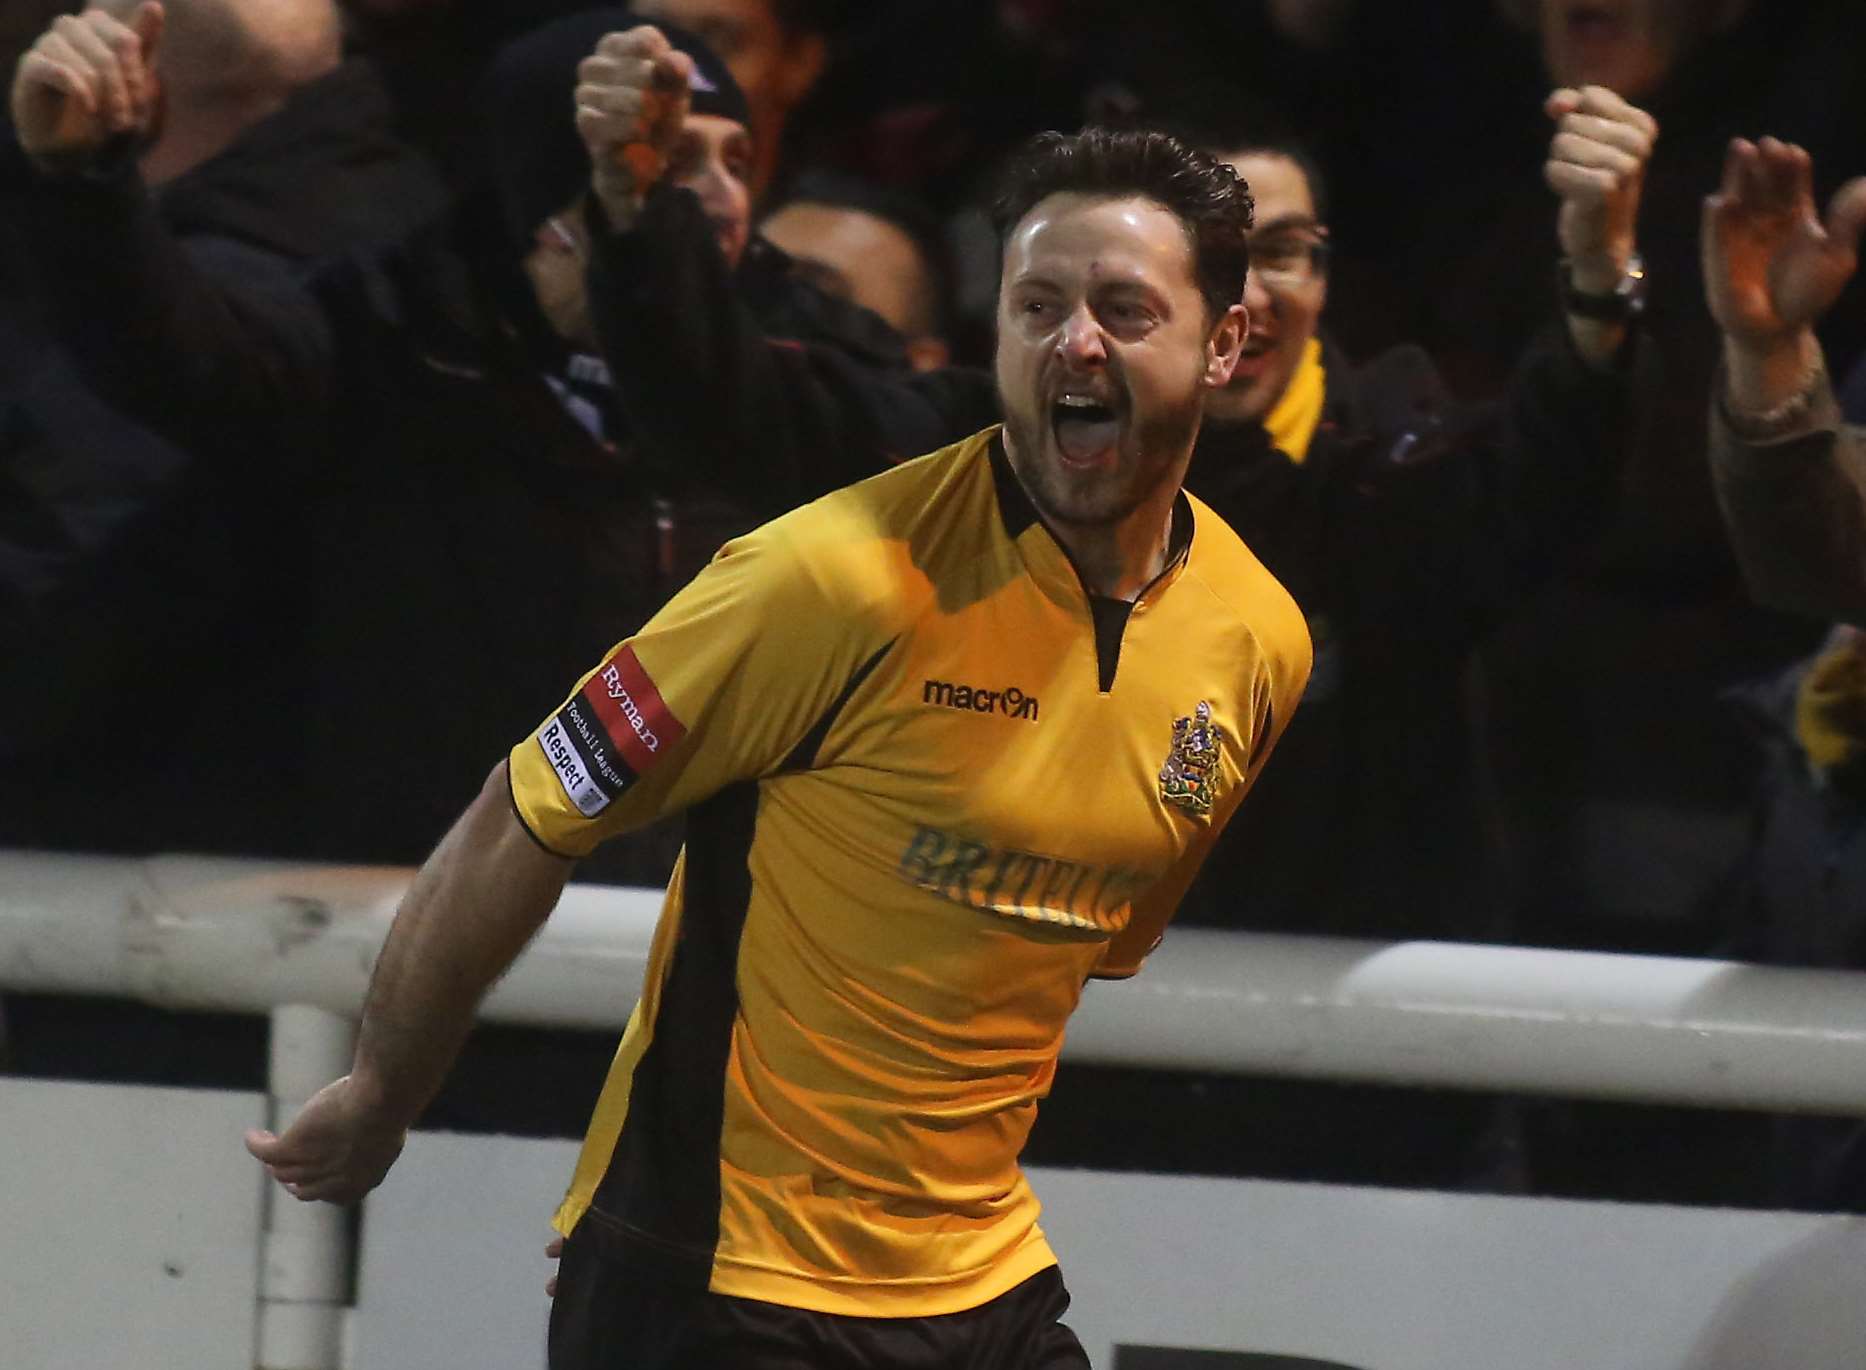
615	1312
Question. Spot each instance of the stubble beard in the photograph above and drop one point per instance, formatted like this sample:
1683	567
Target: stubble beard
1102	500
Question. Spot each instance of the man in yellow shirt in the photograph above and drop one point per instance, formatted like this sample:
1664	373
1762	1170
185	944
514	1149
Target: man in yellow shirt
950	741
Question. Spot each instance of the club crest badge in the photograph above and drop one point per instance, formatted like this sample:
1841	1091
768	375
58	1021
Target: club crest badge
1189	779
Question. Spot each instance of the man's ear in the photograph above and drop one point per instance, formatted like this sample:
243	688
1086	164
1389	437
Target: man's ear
1224	345
804	60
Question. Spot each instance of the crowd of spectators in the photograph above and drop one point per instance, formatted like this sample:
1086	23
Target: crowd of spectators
356	389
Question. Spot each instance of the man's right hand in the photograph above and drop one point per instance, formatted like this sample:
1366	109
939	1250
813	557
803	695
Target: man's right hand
1597	165
87	81
632	98
338	1148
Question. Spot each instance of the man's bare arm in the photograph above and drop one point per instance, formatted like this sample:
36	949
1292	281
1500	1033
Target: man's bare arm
472	908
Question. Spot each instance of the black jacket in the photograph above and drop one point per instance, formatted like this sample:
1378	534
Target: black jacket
733	398
445	547
1408	532
131	561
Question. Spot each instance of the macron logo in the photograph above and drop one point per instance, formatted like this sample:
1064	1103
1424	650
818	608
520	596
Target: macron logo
1011	701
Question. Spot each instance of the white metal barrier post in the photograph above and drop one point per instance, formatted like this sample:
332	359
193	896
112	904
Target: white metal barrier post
304	1283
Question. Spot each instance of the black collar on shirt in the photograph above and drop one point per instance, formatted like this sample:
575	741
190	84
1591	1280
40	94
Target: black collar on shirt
1018	513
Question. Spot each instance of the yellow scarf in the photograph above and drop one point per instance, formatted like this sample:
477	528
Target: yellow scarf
1291	424
1830	707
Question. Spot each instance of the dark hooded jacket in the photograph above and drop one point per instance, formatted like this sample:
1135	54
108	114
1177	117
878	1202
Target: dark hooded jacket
132	561
445	540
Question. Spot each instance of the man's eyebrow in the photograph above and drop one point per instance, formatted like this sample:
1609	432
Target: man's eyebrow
1130	285
1284	222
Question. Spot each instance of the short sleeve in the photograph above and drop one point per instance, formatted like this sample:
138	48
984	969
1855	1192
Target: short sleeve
719	687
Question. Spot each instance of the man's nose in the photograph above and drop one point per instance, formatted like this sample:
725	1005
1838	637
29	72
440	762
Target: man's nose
1081	341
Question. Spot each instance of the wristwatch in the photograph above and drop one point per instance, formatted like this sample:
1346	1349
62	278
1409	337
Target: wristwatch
1627	300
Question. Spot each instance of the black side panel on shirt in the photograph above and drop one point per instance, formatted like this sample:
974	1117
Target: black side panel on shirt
663	1181
803	756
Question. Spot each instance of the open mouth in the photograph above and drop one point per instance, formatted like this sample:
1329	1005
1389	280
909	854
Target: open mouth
1253	358
1085	428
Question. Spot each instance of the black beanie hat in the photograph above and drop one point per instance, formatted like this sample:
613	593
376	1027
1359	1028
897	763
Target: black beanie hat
539	162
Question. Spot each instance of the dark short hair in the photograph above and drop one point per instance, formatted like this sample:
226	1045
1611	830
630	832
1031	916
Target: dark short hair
1203	193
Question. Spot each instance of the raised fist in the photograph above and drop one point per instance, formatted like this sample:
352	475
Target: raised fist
1597	164
632	98
87	81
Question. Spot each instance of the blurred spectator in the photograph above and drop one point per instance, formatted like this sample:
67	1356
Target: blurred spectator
1708	70
1802	900
876	247
228	64
1406	526
1791	480
775	49
1627	804
444	456
128	555
722	396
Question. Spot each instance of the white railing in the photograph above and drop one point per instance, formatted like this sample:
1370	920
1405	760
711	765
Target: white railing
298	943
239	935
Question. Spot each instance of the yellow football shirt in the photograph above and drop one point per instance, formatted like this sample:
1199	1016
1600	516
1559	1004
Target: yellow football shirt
932	787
